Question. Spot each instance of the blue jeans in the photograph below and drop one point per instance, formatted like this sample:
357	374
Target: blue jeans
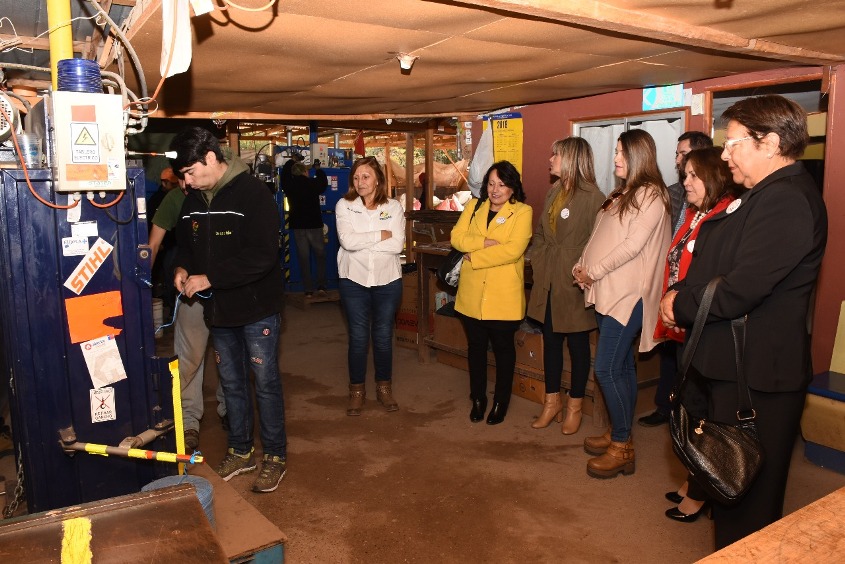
259	343
370	312
616	371
308	240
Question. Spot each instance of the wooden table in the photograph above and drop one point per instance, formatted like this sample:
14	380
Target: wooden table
811	534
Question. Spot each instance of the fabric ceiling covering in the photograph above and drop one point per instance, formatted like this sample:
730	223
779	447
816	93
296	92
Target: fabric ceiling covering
323	58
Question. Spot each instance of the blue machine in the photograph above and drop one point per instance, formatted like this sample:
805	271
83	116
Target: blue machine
76	313
338	186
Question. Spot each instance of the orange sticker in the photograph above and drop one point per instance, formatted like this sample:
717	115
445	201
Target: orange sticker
86	315
83	113
78	172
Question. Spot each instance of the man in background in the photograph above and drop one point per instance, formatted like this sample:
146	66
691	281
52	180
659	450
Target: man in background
306	222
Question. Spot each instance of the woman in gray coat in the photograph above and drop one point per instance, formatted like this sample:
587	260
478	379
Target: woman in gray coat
565	226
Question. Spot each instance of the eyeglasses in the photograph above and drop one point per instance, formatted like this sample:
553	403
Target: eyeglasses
610	199
728	145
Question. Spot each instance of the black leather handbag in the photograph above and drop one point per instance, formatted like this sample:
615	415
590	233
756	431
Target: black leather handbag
723	458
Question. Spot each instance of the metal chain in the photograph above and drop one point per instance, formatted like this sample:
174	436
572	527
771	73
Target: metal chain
19	491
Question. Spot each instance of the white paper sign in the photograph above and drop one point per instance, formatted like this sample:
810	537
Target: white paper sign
103	360
92	262
74	246
84	229
74	214
102	405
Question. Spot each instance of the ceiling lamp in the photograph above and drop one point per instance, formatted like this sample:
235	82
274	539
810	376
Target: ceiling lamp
406	61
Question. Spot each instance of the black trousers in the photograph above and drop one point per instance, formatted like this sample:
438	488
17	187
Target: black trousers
579	356
500	335
778	421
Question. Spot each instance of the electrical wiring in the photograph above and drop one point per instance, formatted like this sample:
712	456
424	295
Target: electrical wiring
26	172
245	9
104	206
133	56
22	45
131	217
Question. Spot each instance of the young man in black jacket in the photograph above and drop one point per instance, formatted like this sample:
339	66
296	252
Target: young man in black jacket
228	254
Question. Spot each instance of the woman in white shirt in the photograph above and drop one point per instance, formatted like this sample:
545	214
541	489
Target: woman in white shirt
371	230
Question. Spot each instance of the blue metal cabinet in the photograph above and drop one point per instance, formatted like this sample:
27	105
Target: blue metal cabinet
47	374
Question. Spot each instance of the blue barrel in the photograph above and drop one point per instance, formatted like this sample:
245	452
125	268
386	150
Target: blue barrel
205	491
79	75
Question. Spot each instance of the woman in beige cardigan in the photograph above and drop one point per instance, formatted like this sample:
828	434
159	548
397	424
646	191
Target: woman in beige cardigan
565	226
621	272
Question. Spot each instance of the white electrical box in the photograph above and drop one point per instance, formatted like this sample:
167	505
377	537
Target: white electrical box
88	135
320	151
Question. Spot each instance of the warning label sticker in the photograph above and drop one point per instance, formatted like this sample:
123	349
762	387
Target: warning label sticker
102	405
85	142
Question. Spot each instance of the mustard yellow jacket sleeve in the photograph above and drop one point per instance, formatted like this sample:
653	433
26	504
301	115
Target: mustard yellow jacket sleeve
492	282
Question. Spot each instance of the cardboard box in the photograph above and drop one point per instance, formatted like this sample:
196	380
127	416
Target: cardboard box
529	388
529	349
449	331
406	333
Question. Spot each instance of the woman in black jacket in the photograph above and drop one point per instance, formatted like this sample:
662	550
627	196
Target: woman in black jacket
768	246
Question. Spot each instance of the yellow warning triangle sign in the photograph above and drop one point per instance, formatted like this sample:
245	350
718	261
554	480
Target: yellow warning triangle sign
84	138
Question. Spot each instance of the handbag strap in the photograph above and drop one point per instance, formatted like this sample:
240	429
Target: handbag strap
745	410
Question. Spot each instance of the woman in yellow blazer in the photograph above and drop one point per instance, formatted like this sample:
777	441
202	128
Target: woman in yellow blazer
493	232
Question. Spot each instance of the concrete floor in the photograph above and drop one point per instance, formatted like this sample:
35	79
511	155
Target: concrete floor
425	485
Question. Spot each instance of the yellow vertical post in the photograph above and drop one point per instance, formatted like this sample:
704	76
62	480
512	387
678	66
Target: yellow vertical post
178	424
61	38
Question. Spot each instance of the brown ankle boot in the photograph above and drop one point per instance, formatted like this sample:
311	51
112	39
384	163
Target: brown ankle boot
357	393
597	445
618	458
384	394
573	416
552	408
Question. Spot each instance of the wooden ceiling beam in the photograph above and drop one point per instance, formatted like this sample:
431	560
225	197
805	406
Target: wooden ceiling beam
600	15
40	43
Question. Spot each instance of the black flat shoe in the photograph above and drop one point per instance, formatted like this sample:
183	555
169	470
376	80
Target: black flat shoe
478	409
674	497
677	515
497	413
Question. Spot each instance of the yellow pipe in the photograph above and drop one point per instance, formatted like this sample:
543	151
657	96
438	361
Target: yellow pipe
61	36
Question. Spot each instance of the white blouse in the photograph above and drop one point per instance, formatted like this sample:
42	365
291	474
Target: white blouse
363	257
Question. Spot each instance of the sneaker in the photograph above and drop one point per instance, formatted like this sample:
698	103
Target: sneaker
654	419
234	464
309	294
273	469
322	292
192	439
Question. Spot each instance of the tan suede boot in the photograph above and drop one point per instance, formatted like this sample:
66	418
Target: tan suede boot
597	445
552	409
357	393
384	394
618	458
573	416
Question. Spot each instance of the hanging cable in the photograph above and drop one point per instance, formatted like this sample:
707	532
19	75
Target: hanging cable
26	171
245	9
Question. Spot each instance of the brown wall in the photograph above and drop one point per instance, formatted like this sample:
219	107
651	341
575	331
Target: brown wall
544	123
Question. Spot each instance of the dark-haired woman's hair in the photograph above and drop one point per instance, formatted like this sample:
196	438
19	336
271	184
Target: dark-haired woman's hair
381	182
509	176
772	113
714	173
640	154
192	145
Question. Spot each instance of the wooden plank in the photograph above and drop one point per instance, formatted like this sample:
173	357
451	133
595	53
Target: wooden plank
40	43
812	533
601	15
241	529
168	523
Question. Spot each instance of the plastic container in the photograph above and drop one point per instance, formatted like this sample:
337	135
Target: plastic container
79	75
